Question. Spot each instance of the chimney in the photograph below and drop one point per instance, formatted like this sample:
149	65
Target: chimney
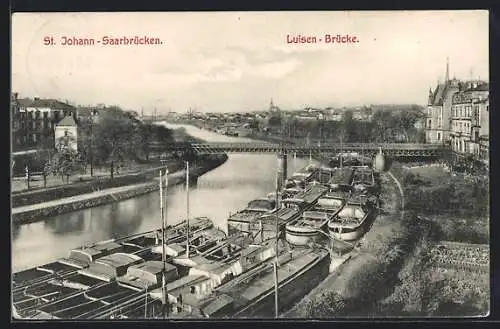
15	96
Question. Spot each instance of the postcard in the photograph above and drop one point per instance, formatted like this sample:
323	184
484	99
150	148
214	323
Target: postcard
250	165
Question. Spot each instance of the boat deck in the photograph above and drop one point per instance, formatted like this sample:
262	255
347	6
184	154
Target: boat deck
243	292
48	293
30	275
83	280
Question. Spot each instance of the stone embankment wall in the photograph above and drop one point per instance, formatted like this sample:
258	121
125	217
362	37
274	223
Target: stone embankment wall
430	165
203	166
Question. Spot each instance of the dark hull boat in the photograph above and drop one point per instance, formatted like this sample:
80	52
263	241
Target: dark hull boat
80	258
363	180
301	230
341	178
240	222
136	249
209	267
242	288
267	225
251	292
309	228
303	177
128	283
353	220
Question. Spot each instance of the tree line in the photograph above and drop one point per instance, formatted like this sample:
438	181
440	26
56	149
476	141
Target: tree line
384	126
108	138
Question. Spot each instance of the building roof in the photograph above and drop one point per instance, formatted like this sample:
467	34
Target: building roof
49	103
480	87
436	98
67	121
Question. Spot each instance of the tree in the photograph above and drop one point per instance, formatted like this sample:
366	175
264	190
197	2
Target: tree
64	163
381	125
117	137
274	120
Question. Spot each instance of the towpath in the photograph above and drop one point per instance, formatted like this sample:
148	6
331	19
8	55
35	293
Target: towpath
338	281
89	196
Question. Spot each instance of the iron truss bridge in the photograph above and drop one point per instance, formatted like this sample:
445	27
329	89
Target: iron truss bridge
389	149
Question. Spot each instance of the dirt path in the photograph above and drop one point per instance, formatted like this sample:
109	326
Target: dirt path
87	196
383	229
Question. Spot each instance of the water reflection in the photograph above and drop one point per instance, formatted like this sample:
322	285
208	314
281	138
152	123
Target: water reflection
66	224
218	193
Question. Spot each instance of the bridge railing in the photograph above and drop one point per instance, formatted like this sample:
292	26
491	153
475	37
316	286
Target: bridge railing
274	147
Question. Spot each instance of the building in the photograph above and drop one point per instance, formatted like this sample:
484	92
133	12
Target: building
438	118
66	134
34	120
470	117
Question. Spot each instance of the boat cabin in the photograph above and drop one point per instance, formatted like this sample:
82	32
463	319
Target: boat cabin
110	267
239	222
352	213
261	205
265	228
332	200
148	275
83	257
341	177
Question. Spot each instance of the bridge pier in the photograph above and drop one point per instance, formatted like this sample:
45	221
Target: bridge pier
282	168
193	181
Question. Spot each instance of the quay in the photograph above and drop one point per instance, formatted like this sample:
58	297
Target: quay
29	213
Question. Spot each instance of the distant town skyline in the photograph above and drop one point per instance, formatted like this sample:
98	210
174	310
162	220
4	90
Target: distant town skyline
238	61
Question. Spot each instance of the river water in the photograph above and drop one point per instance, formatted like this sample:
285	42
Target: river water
218	193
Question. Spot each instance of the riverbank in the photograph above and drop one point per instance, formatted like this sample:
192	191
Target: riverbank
329	298
90	184
403	267
39	211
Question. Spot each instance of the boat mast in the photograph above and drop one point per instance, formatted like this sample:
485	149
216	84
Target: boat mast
275	268
275	264
341	148
277	189
187	208
163	241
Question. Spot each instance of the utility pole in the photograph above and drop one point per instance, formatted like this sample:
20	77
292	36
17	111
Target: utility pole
91	153
27	175
276	304
187	208
163	242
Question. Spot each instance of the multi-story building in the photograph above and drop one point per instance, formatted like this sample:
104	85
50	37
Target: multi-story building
469	113
438	121
34	120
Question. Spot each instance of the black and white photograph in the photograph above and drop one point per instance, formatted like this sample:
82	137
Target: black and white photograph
250	165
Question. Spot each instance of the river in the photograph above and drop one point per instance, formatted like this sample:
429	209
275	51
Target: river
218	193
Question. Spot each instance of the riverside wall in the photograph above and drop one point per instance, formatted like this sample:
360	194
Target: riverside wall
202	167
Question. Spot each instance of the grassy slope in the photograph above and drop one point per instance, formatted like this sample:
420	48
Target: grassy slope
390	274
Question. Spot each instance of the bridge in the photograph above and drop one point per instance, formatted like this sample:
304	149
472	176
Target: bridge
389	149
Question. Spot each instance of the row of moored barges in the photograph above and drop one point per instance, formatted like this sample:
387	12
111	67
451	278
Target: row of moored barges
197	270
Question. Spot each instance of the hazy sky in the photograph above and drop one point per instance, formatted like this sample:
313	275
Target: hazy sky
236	61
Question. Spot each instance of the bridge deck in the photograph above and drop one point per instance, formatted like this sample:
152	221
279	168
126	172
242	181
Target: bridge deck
393	149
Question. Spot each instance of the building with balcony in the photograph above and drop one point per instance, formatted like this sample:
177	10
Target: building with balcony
34	121
470	118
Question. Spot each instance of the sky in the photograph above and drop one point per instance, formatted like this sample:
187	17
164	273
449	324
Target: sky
238	61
